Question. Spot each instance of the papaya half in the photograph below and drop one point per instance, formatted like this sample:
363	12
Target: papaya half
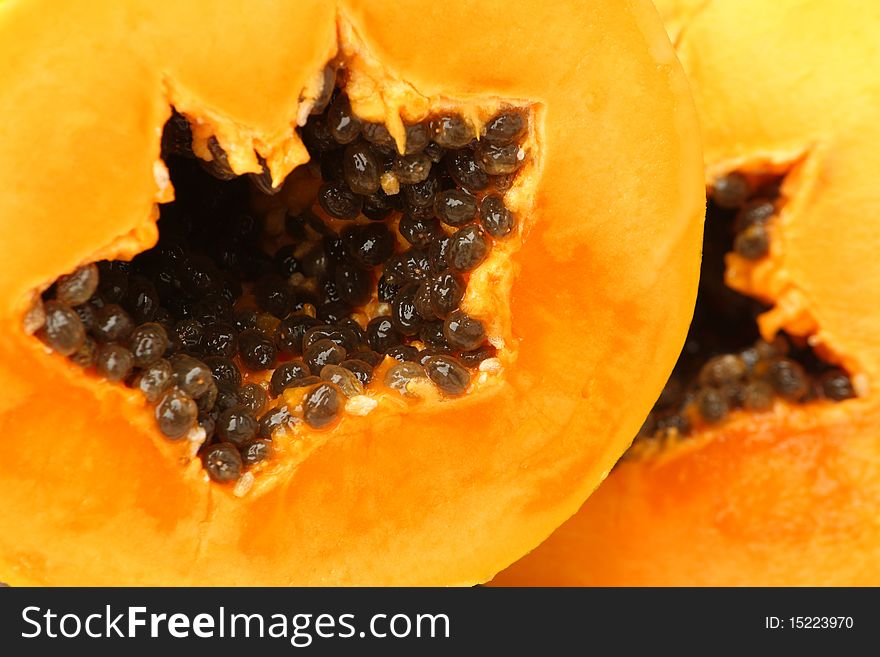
783	489
329	292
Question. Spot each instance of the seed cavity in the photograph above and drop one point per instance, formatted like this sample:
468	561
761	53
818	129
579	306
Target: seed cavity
245	325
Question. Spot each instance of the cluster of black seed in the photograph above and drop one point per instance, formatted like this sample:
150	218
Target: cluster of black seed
725	365
221	298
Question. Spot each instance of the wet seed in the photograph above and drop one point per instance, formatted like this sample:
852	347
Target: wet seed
148	343
76	288
455	207
451	131
256	451
836	385
256	350
286	373
400	376
463	331
236	426
497	159
253	397
731	191
62	330
504	127
323	352
360	168
468	248
339	201
176	413
788	379
222	462
344	379
322	405
448	374
495	218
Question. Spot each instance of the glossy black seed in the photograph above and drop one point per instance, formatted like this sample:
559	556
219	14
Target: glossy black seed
222	462
255	451
141	299
836	385
404	353
504	127
448	374
495	218
463	331
220	339
464	170
455	207
468	248
275	418
410	169
189	333
377	133
344	125
447	291
476	356
227	397
317	137
148	343
112	324
207	421
322	405
378	206
155	379
498	160
387	291
381	334
112	283
438	252
334	312
291	331
723	370
345	380
345	338
788	379
176	413
253	397
286	264
416	265
87	354
256	350
323	352
731	191
315	262
418	136
339	201
423	303
757	211
404	316
451	131
419	196
77	287
236	426
355	285
399	377
212	308
361	369
62	330
419	231
360	169
753	243
757	396
273	296
431	334
369	245
285	373
191	375
224	370
712	405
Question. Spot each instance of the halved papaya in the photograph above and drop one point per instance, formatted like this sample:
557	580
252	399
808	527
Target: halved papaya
782	489
383	355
